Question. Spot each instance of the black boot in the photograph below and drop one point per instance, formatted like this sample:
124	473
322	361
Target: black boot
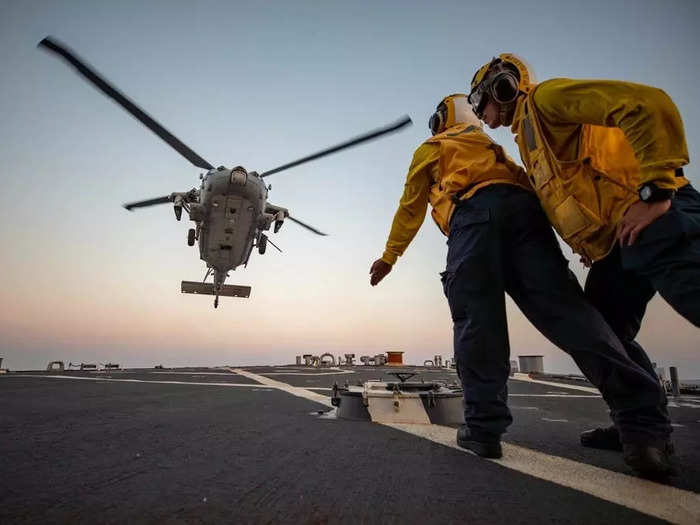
603	438
649	461
490	448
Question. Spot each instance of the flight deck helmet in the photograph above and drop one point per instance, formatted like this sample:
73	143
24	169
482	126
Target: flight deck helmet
452	110
502	79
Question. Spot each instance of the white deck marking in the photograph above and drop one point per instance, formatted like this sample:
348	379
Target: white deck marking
528	379
575	396
262	382
662	501
193	373
340	372
294	390
555	420
105	380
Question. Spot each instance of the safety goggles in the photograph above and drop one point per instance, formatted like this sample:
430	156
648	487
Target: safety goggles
478	99
500	84
437	120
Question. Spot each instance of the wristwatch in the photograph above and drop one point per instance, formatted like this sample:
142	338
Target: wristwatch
649	192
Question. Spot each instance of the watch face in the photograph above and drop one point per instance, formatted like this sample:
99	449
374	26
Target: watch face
645	193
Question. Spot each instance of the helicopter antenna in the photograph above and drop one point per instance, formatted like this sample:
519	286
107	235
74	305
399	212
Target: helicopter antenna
391	128
108	89
273	244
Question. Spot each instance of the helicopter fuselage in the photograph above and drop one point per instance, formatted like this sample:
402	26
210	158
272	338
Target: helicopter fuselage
230	217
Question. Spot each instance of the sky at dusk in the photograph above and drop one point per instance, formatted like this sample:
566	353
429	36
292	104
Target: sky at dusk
259	84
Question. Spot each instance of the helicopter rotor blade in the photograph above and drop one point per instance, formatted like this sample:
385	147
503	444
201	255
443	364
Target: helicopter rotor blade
150	202
394	126
311	228
103	85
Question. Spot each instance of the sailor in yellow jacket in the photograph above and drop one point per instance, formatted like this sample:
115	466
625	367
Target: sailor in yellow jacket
499	241
605	159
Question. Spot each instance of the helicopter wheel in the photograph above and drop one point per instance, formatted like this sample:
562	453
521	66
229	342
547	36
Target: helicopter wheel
262	244
190	237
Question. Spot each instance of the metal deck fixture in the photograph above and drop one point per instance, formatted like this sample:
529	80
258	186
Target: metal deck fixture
531	363
513	367
349	359
675	384
400	401
55	365
323	360
395	358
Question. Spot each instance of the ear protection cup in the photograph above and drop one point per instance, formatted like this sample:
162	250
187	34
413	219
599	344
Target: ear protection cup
504	87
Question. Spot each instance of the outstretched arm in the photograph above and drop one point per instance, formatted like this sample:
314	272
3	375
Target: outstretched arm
411	211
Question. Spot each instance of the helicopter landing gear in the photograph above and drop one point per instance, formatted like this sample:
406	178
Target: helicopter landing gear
190	237
262	244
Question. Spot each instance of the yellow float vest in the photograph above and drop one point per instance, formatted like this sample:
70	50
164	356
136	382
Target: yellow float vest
469	161
584	198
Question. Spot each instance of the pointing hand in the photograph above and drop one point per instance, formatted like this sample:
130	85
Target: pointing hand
378	271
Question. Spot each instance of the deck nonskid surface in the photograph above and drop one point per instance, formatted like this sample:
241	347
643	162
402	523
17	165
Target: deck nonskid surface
107	450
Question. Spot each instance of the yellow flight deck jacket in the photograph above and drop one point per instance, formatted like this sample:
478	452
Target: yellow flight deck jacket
588	145
452	164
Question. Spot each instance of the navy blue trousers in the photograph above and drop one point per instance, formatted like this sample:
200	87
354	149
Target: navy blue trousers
665	259
501	242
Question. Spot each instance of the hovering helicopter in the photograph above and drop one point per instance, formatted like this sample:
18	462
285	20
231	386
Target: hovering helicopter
230	208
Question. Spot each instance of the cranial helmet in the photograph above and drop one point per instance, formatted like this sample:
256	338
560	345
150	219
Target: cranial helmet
502	79
452	110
